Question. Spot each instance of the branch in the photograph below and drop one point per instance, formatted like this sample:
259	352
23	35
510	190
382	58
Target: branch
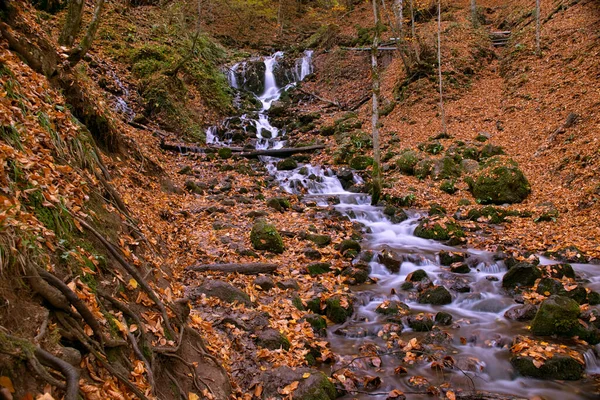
69	372
323	99
246	269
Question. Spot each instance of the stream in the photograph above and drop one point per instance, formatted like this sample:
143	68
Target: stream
479	337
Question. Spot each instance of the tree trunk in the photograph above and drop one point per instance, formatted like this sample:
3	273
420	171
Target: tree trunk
376	193
80	51
398	12
72	23
474	18
439	51
412	19
537	27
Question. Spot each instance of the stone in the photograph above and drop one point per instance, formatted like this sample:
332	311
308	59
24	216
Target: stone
500	181
562	367
417	276
525	312
288	284
423	168
469	166
312	254
549	286
317	322
356	274
437	295
264	282
447	258
420	322
443	318
385	258
338	309
319	240
318	268
392	308
224	153
221	290
407	161
557	315
460	268
490	150
287	164
430	228
272	339
445	168
279	203
264	236
349	245
521	275
346	177
360	163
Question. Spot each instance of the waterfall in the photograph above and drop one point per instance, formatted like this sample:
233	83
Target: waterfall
305	65
271	92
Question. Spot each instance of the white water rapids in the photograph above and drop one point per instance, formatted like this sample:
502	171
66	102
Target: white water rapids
478	314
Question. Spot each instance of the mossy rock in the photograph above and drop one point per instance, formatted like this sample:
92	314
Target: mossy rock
436	209
434	229
521	275
319	240
193	187
417	276
279	203
431	148
500	181
221	290
489	150
316	385
336	312
423	168
443	318
549	286
445	168
287	164
447	258
448	186
327	130
356	275
318	268
567	254
437	295
562	367
264	236
392	308
272	339
407	161
317	322
297	302
347	123
492	214
360	163
557	315
420	322
396	215
349	245
225	153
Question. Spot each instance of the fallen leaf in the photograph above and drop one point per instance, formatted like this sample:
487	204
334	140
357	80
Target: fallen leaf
7	383
290	388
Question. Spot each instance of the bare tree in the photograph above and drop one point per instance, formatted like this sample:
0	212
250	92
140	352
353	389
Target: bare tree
72	23
439	51
399	13
376	192
537	27
78	52
474	18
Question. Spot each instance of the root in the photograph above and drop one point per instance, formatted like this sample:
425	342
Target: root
69	372
79	305
133	272
48	292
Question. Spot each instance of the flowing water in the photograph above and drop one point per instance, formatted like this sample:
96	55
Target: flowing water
480	335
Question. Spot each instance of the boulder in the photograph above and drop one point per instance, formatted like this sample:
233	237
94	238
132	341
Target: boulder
437	295
317	322
349	246
423	168
318	268
319	240
417	276
279	203
420	322
386	258
272	339
264	236
525	312
221	290
521	275
346	177
287	164
264	282
560	366
557	315
407	161
338	309
316	386
432	228
500	181
392	308
360	163
469	166
445	168
356	274
443	318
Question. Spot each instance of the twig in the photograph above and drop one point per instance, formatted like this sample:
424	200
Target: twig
43	328
176	382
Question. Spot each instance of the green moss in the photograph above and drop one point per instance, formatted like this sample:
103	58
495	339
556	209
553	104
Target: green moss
500	181
433	229
560	367
407	161
336	312
224	152
264	236
360	163
557	315
318	268
448	186
423	168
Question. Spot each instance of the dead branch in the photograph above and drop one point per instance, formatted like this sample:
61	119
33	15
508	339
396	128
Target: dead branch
334	103
281	153
244	268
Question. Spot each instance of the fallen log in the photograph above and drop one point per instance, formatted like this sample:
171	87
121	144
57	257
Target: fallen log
184	148
334	103
246	269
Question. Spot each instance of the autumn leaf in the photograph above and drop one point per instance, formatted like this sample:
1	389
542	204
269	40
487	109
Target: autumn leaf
289	388
7	383
193	396
450	395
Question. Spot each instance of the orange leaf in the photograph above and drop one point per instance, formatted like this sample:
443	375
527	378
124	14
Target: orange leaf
7	383
290	388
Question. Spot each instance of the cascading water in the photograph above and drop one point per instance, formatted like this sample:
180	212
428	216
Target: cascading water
482	358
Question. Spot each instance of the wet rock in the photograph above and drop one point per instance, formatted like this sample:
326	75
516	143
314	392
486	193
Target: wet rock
557	315
287	164
288	284
392	308
431	228
420	322
525	312
317	322
560	270
418	275
356	274
386	259
193	187
352	331
500	181
264	282
318	268
272	339
461	286
521	275
443	318
221	290
224	152
593	298
448	258
346	177
492	305
350	247
560	367
319	240
567	254
549	286
579	294
312	254
460	268
437	295
264	236
396	215
338	308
